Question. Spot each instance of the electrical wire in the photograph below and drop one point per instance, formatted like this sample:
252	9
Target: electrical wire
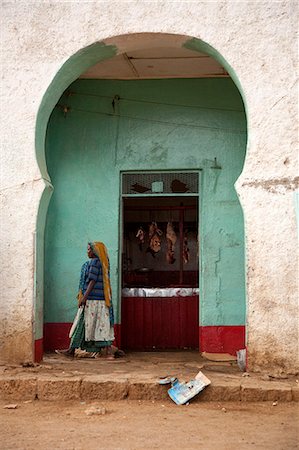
154	120
151	102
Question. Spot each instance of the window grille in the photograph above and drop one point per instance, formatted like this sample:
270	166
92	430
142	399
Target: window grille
159	183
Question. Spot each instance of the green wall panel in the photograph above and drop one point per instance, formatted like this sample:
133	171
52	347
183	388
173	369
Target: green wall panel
150	125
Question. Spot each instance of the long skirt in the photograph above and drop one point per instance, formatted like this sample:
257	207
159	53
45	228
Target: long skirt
92	328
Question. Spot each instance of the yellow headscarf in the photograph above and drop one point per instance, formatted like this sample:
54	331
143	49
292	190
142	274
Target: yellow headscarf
99	249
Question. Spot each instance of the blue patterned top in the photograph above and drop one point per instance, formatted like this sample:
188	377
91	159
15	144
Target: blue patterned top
93	271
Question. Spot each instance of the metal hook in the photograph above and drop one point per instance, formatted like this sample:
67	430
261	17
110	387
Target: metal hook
115	100
216	165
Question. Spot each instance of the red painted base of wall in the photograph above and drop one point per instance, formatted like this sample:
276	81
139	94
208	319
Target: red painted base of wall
212	339
117	335
38	350
56	335
222	339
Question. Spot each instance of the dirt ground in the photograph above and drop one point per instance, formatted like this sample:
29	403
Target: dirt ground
135	365
140	365
149	425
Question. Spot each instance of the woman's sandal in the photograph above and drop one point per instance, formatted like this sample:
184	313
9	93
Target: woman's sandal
66	353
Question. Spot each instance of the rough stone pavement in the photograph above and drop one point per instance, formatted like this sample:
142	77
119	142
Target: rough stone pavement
135	376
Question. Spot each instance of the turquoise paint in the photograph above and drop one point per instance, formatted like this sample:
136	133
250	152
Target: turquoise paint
39	256
156	125
70	71
73	67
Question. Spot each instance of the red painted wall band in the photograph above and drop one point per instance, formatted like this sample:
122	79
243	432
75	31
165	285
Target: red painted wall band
56	336
222	339
38	350
117	335
212	339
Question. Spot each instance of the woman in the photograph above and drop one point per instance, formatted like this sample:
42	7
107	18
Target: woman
92	329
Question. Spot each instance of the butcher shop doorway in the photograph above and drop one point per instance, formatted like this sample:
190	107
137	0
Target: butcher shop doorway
160	260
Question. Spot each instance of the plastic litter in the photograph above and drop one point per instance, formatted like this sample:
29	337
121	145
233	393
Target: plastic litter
167	380
241	359
181	393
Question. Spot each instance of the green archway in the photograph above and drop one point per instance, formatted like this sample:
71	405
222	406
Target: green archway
69	72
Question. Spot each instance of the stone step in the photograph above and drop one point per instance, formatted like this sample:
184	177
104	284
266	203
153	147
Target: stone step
101	387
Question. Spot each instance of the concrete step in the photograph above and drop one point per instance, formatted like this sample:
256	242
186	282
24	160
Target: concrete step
102	387
136	377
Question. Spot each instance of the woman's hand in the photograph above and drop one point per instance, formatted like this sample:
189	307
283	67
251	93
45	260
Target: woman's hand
90	286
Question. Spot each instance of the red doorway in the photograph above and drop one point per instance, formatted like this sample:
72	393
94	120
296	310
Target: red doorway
160	295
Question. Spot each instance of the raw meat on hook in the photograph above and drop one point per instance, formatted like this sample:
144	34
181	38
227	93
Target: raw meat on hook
141	237
154	234
171	240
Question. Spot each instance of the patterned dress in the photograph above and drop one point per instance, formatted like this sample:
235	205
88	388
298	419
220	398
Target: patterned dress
93	325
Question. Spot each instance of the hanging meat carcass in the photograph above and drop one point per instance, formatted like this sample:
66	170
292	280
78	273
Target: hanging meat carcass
154	234
186	253
171	240
141	237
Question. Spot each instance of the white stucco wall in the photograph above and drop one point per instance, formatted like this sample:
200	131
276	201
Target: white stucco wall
258	39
